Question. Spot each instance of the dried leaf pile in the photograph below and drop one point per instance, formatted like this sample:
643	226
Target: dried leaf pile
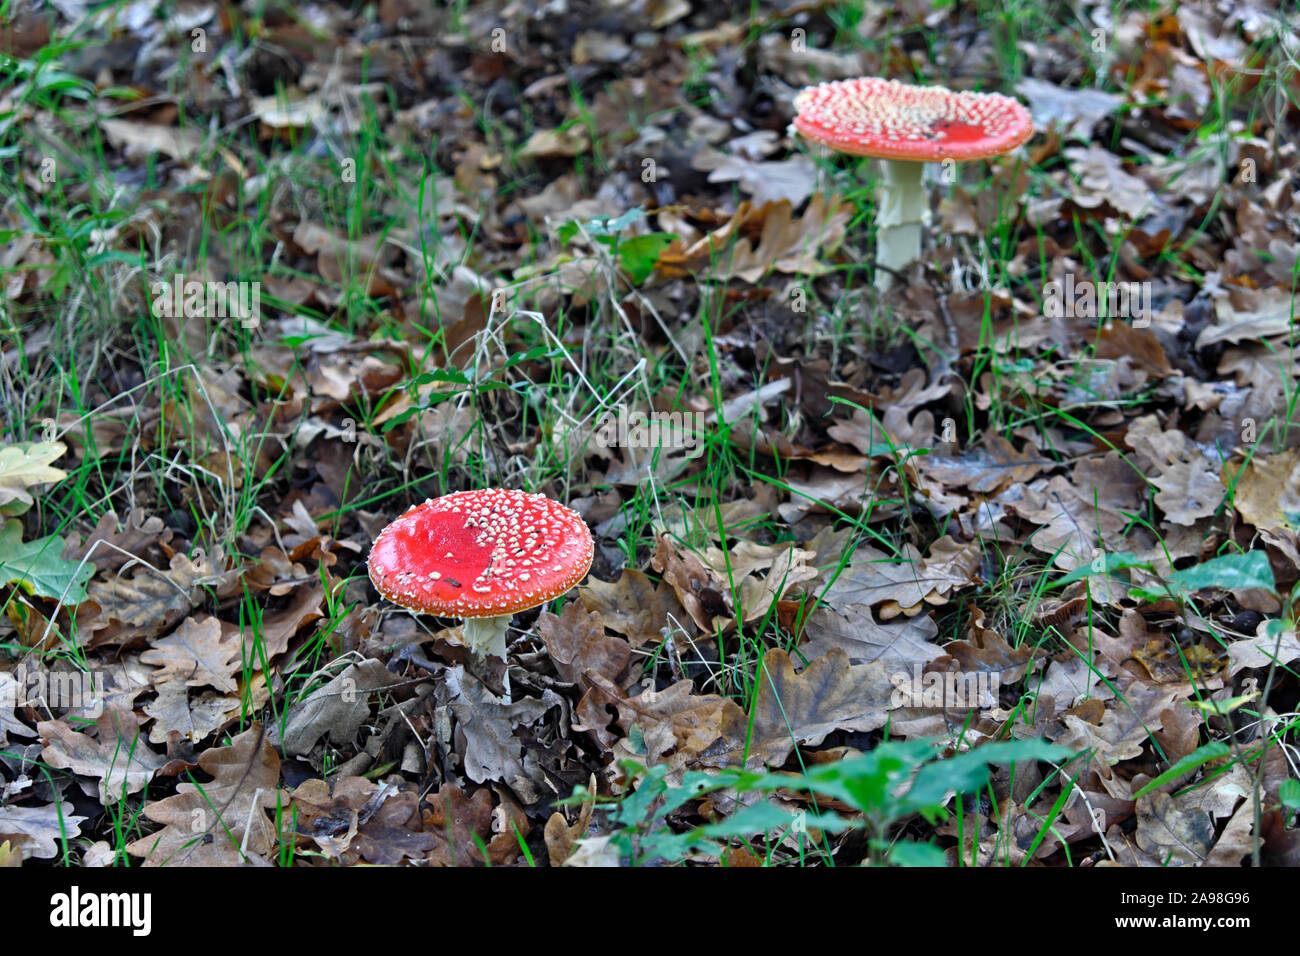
986	478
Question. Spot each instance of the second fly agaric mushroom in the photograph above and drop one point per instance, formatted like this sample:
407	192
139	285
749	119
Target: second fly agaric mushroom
906	126
481	556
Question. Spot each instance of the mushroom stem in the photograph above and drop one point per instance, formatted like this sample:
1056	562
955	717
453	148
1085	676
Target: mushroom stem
902	209
486	636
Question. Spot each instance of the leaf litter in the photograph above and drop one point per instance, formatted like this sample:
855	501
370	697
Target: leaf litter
975	483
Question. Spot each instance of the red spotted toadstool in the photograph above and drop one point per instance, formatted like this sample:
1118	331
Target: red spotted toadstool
906	126
481	556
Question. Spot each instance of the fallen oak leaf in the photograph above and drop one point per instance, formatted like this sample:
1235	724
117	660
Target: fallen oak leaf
692	584
801	709
202	652
150	601
577	644
493	751
222	822
38	832
460	823
394	832
795	246
338	708
898	644
1172	831
27	464
560	836
118	756
633	606
987	651
114	541
174	712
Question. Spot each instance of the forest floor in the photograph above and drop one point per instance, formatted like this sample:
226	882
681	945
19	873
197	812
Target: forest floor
993	567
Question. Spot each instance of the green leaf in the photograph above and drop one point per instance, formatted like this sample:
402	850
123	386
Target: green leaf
907	853
537	352
112	255
1250	570
453	375
969	771
1289	793
38	567
1221	707
765	818
639	254
1199	756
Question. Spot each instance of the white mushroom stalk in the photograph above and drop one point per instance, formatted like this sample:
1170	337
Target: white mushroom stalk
902	209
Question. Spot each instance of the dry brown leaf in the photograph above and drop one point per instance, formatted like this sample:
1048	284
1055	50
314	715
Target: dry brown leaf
11	857
560	836
492	749
1263	650
394	832
1099	497
987	651
1187	477
174	712
801	709
117	757
577	643
1267	491
572	140
633	606
693	585
139	534
1101	178
902	585
1255	314
898	645
456	820
279	627
800	246
987	469
139	140
203	651
150	601
1173	831
244	786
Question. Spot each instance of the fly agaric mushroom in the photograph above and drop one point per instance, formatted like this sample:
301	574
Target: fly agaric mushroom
481	556
906	126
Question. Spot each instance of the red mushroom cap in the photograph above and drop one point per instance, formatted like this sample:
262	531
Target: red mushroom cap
481	554
892	120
